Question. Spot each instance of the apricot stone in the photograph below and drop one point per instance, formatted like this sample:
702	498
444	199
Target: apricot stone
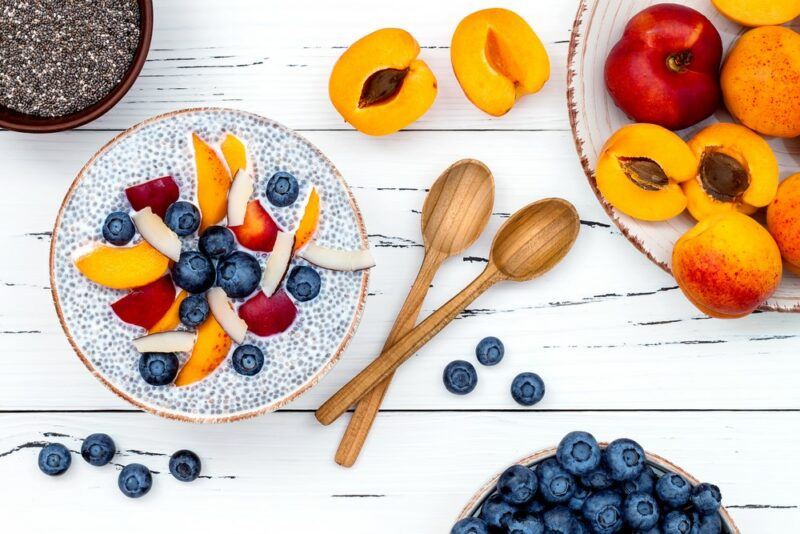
379	86
783	221
761	81
498	58
727	265
759	12
639	171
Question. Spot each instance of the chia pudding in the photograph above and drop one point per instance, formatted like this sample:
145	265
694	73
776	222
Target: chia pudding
58	57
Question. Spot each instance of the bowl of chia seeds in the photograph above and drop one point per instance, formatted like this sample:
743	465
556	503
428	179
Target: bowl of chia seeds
64	63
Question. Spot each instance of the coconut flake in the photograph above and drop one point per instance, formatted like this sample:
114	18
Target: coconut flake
238	197
165	342
225	315
157	233
337	260
278	263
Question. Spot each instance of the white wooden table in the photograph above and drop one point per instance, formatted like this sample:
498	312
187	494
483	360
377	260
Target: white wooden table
621	351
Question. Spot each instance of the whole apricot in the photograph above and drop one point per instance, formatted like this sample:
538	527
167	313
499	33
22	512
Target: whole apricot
761	81
783	221
727	265
759	12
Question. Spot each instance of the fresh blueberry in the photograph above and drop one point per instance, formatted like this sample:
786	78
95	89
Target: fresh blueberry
194	310
185	465
706	498
490	351
460	377
673	490
518	484
603	511
641	511
522	523
238	274
118	228
247	360
706	524
655	530
644	483
470	525
194	272
303	283
599	479
579	453
98	449
497	512
158	368
625	459
217	241
534	507
183	218
555	484
282	189
579	498
54	459
135	480
527	389
676	522
560	520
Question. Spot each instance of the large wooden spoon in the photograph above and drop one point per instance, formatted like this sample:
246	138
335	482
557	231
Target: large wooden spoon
528	245
454	215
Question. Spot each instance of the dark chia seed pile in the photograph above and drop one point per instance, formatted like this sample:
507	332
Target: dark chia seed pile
61	56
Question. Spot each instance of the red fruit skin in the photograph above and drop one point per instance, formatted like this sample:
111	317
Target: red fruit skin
267	316
640	80
145	305
258	231
158	193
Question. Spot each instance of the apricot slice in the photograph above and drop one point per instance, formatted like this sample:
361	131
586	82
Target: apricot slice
498	58
213	182
308	224
738	171
209	351
123	268
727	265
379	86
235	154
759	12
639	171
171	319
783	221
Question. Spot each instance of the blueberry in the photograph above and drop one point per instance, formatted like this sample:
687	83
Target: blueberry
644	483
470	525
135	480
676	522
158	368
603	511
490	351
522	523
185	465
54	459
194	310
460	377
706	498
98	449
118	228
579	453
579	498
497	512
217	241
555	484
527	389
598	479
625	459
673	490
518	484
247	360
641	511
183	218
238	274
282	189
706	524
560	520
534	507
194	272
303	283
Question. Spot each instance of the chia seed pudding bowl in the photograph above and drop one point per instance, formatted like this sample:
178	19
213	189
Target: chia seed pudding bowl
66	63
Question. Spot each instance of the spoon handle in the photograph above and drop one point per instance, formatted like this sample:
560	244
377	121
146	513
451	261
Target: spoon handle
367	408
390	360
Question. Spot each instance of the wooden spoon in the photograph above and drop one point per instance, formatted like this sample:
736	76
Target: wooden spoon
528	245
454	215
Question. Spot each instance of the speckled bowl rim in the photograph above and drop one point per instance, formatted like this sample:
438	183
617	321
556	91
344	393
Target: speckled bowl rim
179	416
477	499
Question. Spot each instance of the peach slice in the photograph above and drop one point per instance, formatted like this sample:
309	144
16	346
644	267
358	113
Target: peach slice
145	305
210	350
235	154
258	232
123	268
213	183
308	224
171	319
267	316
158	194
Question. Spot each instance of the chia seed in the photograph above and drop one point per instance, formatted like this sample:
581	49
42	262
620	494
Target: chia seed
61	56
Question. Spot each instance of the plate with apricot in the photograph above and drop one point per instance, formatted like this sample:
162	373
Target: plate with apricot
209	265
686	119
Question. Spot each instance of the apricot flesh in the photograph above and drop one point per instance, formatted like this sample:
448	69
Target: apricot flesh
210	349
727	265
783	221
498	58
308	224
759	12
213	183
171	318
123	267
379	86
235	154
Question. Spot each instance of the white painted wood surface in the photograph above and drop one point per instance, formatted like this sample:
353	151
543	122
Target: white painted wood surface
622	352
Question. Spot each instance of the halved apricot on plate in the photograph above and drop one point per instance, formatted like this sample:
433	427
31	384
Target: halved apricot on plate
213	183
759	12
379	86
210	349
783	221
123	267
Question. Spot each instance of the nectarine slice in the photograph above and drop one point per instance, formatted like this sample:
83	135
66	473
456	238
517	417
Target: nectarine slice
213	182
235	154
123	268
759	12
171	319
258	231
308	224
145	305
210	349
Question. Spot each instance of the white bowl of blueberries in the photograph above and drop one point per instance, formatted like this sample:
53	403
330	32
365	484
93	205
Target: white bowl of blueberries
584	487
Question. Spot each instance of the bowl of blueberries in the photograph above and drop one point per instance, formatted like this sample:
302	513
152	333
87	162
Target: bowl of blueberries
584	487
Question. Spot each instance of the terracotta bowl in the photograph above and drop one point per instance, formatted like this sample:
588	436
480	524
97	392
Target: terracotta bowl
22	122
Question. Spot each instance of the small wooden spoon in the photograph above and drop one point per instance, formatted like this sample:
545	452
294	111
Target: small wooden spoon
528	245
454	215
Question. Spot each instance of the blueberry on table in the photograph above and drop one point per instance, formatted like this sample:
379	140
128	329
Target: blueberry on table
183	218
555	484
527	389
460	377
706	498
158	368
603	512
217	241
676	522
303	283
470	525
641	511
185	465
135	480
118	228
673	490
282	189
238	274
497	512
490	351
561	519
98	449
194	310
625	459
194	272
644	483
247	360
54	459
526	524
579	453
517	485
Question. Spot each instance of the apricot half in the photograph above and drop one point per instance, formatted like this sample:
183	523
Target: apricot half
727	265
783	221
379	86
738	171
639	171
759	12
498	58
